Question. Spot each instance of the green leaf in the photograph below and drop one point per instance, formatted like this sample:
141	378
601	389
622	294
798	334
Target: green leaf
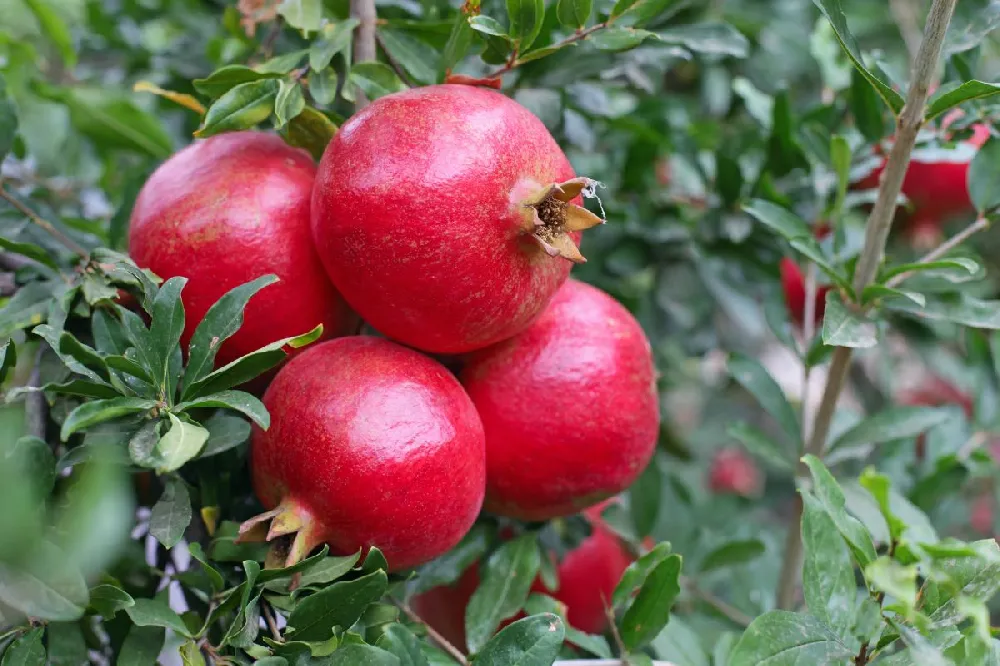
339	605
784	638
48	587
99	411
54	27
810	248
142	646
487	25
311	129
289	102
191	654
35	464
975	577
171	514
964	266
834	13
66	646
948	98
376	79
166	328
888	425
26	650
619	39
401	642
106	600
8	120
157	613
875	292
732	553
459	41
830	497
503	589
762	446
639	12
710	38
596	645
247	367
525	18
574	13
827	573
359	654
243	107
645	494
336	37
840	157
8	358
323	87
844	328
532	641
303	15
887	575
180	444
328	570
782	221
447	568
417	58
650	611
239	401
960	308
142	444
284	63
752	376
214	577
226	78
225	431
636	573
983	172
271	575
29	250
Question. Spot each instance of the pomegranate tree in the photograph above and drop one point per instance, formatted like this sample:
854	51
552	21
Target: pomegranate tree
370	444
446	216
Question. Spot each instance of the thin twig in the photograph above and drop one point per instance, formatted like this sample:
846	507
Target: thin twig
808	332
577	36
876	235
70	244
272	625
731	613
396	67
981	224
442	642
364	39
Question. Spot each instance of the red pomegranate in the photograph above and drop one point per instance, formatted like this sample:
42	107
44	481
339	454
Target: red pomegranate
733	472
230	209
587	575
569	407
794	285
436	211
935	392
370	443
936	185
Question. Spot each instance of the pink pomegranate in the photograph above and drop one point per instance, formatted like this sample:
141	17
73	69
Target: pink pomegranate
441	214
733	472
230	209
569	407
370	443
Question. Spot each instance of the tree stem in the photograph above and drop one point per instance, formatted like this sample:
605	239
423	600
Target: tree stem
876	235
35	219
442	642
364	39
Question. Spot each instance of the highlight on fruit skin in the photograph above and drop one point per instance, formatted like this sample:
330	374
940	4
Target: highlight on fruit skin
230	209
448	216
370	444
569	407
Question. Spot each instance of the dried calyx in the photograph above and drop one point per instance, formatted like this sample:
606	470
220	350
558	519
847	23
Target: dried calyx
290	529
551	217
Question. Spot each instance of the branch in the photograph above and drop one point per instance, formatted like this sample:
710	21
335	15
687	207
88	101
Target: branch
731	613
981	224
577	36
36	410
876	235
70	244
443	642
364	39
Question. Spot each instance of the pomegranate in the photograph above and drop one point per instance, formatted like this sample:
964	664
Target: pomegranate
569	407
225	211
587	576
441	212
794	285
370	443
733	472
981	513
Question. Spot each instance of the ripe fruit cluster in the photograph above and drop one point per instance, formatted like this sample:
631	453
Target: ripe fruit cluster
448	219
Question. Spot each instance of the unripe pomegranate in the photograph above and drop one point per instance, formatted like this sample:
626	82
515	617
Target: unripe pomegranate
569	406
370	443
587	576
794	285
225	211
733	472
441	214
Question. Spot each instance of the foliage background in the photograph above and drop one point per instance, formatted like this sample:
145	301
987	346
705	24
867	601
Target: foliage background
737	99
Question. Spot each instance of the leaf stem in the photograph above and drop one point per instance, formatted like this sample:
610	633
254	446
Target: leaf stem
981	224
876	235
577	36
35	219
731	613
443	642
364	39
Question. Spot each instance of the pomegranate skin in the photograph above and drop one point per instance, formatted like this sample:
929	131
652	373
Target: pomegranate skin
371	443
587	575
569	407
228	210
794	285
418	216
733	472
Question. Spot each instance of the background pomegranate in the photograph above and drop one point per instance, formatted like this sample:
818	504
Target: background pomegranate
435	213
587	575
370	444
230	209
569	407
793	283
734	472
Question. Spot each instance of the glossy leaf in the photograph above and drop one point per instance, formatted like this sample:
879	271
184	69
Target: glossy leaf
156	613
711	38
984	170
401	642
948	98
142	646
503	589
532	641
180	444
26	650
303	15
166	328
339	605
288	104
242	107
310	129
650	611
574	13
107	600
637	572
334	38
171	514
525	19
225	431
828	573
888	425
239	401
619	39
830	497
375	79
783	638
98	411
226	78
845	328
